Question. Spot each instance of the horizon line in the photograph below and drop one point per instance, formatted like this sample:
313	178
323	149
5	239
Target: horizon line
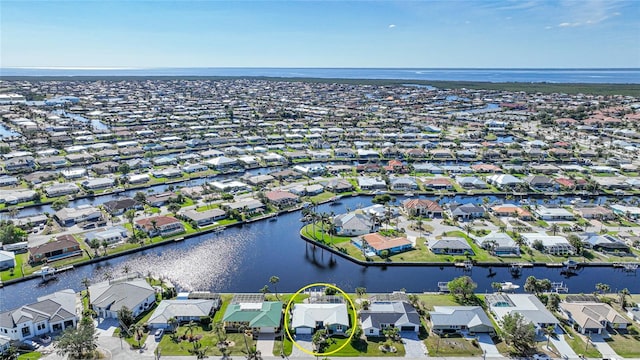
89	68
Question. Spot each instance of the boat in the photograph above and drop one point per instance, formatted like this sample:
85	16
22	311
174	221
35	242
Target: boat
47	273
409	194
524	201
274	217
509	286
576	201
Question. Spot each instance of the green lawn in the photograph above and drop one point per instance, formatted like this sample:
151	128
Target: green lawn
370	347
277	347
626	343
322	197
30	356
173	345
452	345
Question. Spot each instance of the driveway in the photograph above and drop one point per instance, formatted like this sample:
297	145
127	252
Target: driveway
305	342
414	348
487	345
561	344
597	340
265	344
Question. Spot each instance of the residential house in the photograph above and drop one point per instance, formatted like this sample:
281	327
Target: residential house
466	211
450	246
504	181
307	318
555	245
281	198
379	243
370	183
438	183
261	317
222	163
382	315
593	317
183	311
594	212
82	214
119	206
247	206
604	243
527	305
338	185
110	235
511	211
52	313
540	182
204	218
160	225
471	182
55	190
64	246
353	224
500	244
403	184
7	260
107	298
460	319
422	207
99	183
161	199
553	213
632	212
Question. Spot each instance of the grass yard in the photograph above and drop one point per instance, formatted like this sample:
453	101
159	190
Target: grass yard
454	345
278	347
626	343
172	345
370	347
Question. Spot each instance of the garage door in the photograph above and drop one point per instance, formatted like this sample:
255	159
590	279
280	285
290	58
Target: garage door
303	330
407	328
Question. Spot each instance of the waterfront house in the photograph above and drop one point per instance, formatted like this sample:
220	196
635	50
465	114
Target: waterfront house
161	199
260	317
450	246
592	317
230	186
631	212
110	235
138	178
527	305
307	318
504	181
353	224
222	163
370	183
281	198
82	214
15	196
55	190
203	218
108	167
110	296
604	243
422	208
466	211
52	313
512	211
471	182
540	182
194	168
7	260
382	315
460	319
310	169
500	244
64	246
119	206
379	243
160	225
338	185
248	206
555	245
183	311
404	183
553	213
438	183
7	180
99	183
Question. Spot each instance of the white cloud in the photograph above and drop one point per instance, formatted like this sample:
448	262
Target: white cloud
391	26
568	24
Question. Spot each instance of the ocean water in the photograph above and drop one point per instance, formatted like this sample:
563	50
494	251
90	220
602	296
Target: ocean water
617	76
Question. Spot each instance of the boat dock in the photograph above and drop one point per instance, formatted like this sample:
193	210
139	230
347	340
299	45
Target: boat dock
443	286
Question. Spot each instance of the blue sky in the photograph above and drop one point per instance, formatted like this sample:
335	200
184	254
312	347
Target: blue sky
441	34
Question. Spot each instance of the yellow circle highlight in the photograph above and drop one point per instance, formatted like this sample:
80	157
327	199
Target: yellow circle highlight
286	325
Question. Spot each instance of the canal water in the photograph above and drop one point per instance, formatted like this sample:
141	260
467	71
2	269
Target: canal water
242	259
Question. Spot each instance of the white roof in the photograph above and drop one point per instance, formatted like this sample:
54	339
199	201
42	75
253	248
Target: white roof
306	315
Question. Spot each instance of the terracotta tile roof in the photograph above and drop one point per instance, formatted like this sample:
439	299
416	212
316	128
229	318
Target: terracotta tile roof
379	242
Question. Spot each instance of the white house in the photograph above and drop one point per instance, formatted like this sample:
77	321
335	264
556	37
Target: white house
109	297
307	318
181	310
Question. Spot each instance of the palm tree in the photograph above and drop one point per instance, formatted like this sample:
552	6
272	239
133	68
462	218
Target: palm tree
602	288
130	215
274	280
468	228
548	331
190	327
95	245
126	269
86	282
554	228
137	330
173	323
105	245
622	297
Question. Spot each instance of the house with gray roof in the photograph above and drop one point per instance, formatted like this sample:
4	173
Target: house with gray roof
7	260
466	211
182	310
500	244
50	314
385	314
109	297
460	319
404	183
204	218
353	224
450	246
370	183
527	305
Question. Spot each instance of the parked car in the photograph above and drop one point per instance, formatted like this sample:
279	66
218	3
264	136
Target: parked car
158	334
541	356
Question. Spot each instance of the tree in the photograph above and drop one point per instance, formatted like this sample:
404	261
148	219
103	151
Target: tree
357	333
78	343
95	245
190	327
462	288
603	288
124	168
360	291
496	286
125	316
554	228
319	340
391	333
576	242
518	332
86	283
174	207
136	330
140	197
274	280
173	323
548	331
622	297
468	228
11	234
265	289
60	204
537	286
553	301
130	215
